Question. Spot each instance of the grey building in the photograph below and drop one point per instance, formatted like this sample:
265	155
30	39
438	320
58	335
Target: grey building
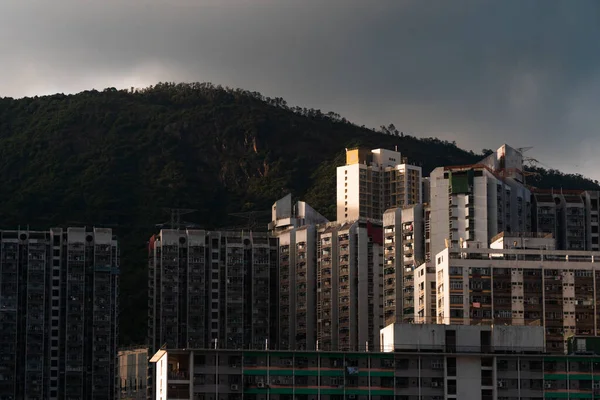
58	314
209	287
571	216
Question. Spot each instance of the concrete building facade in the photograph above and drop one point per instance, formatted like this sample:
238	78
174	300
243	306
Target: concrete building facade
425	294
295	229
349	285
373	181
211	285
58	314
558	290
404	242
133	373
475	204
450	362
571	216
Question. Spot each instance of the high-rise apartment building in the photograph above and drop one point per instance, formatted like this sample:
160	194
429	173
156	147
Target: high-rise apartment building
373	181
295	228
349	285
571	216
475	203
208	288
404	250
512	285
58	314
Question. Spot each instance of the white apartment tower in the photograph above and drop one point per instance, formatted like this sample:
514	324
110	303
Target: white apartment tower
473	203
295	228
373	181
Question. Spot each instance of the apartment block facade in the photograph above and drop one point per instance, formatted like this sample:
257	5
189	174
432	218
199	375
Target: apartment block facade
349	285
58	314
404	250
373	181
559	290
295	227
298	288
571	216
475	204
209	288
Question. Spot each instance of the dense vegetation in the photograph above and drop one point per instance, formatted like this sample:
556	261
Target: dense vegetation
117	158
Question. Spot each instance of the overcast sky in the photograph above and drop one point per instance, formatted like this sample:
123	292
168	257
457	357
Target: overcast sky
479	72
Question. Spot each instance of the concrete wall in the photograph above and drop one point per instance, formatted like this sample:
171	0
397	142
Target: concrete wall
468	378
530	337
439	210
348	191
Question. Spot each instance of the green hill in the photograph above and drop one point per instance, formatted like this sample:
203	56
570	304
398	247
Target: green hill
117	158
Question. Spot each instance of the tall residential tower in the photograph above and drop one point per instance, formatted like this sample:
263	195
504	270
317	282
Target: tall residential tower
58	314
373	181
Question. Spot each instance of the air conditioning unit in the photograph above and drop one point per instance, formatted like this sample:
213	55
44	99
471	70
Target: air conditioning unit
234	387
260	385
289	363
434	384
501	384
547	386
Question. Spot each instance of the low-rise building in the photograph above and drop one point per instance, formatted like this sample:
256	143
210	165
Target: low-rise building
511	366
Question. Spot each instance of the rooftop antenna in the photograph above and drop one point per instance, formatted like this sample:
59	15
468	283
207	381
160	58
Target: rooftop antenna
175	222
252	218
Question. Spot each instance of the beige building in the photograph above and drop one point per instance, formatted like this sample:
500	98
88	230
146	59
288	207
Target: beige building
133	373
373	181
559	290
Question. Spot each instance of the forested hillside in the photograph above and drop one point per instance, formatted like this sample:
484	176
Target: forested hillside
117	158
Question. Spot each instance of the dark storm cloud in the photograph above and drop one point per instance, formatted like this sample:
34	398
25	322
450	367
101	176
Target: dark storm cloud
478	72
